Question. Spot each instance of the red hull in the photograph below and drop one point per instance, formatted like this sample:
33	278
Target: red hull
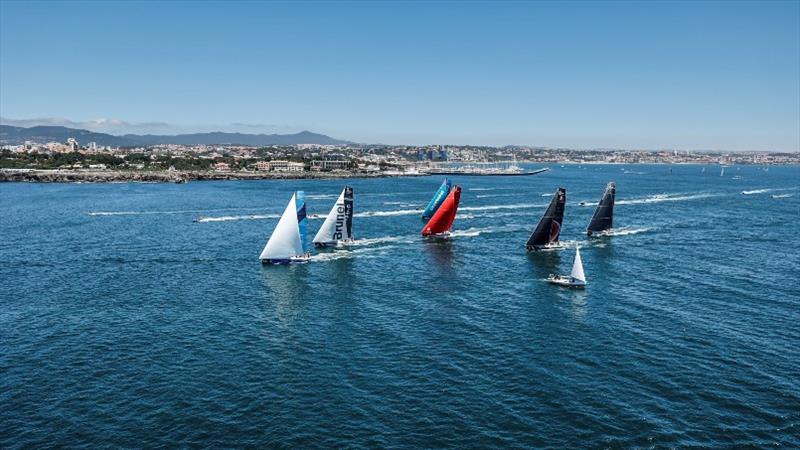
442	221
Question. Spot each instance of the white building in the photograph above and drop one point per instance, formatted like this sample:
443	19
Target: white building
328	164
286	166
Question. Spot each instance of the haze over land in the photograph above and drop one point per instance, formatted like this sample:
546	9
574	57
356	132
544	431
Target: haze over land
699	75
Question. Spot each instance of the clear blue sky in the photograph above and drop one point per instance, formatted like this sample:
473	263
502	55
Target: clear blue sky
685	75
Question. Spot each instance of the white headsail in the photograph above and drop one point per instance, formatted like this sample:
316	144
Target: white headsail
577	267
285	241
339	223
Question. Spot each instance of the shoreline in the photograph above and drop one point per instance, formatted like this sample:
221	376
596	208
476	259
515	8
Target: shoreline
113	176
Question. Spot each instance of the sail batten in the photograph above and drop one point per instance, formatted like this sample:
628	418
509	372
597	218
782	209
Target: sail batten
603	217
548	229
338	226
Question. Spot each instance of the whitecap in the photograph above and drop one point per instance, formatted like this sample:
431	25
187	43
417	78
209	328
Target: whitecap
659	198
232	218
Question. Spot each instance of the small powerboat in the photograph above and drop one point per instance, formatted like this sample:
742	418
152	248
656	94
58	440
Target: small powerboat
576	278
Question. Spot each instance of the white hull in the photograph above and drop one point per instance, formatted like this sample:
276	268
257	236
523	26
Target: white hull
342	243
551	246
299	259
570	282
445	235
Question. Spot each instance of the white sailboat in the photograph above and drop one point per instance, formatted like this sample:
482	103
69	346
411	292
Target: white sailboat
576	278
338	226
287	243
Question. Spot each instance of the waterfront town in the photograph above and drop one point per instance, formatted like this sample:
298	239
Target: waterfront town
182	162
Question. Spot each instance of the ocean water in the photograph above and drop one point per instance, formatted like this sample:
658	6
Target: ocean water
138	315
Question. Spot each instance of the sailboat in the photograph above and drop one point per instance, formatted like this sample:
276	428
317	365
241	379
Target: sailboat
576	278
437	200
442	220
338	226
287	244
722	171
549	228
604	214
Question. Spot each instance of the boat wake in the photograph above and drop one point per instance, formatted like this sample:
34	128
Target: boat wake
625	231
147	213
495	195
481	189
320	196
232	218
766	190
399	212
757	191
348	254
399	203
376	241
782	195
659	198
497	207
139	213
473	232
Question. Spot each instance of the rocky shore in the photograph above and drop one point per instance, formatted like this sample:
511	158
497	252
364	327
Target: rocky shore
111	176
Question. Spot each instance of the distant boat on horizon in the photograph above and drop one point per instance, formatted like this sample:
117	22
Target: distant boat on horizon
549	227
287	244
338	226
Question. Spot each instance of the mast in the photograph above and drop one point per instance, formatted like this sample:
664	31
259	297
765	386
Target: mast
549	227
287	239
604	214
348	212
442	221
436	201
302	221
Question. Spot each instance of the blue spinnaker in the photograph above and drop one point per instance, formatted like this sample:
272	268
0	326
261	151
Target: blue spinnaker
437	200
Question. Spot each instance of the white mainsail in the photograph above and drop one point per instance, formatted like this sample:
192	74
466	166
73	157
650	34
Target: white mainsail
328	232
577	267
285	241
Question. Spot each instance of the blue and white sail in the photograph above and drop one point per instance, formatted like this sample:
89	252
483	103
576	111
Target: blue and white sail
288	242
437	200
338	226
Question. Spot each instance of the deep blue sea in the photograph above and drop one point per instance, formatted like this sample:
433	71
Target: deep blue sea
139	315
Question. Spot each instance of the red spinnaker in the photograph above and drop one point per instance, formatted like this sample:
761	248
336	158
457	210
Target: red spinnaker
442	221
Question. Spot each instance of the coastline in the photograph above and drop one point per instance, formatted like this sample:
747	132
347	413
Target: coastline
114	176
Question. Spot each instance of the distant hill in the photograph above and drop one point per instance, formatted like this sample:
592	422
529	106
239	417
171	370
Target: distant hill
41	134
218	137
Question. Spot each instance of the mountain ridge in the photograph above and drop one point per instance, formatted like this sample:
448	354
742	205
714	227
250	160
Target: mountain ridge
12	135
